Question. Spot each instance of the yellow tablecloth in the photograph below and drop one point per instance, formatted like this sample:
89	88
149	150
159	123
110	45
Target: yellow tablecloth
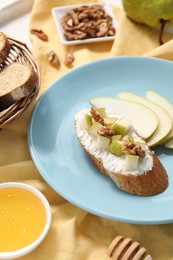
74	233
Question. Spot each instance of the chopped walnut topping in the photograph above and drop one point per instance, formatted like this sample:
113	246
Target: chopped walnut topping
40	34
96	115
106	131
139	151
53	59
134	148
129	145
92	22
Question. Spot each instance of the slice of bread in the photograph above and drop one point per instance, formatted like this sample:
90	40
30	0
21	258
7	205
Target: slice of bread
4	47
153	180
16	82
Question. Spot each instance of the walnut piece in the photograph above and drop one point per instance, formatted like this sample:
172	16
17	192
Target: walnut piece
96	116
128	147
40	34
87	22
69	58
134	148
106	131
53	59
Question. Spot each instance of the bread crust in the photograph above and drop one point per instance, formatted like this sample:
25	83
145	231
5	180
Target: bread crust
148	183
14	90
4	47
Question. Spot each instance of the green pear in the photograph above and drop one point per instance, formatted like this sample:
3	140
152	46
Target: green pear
116	148
109	121
164	103
116	137
128	138
119	129
88	120
169	144
136	113
154	13
101	111
165	122
94	128
102	142
131	162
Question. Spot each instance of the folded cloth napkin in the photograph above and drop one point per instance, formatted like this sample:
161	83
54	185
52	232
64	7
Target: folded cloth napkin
74	233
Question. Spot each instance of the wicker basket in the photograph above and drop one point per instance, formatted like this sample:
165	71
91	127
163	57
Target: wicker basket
19	52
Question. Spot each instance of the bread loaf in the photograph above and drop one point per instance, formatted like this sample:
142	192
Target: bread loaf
142	174
4	47
16	82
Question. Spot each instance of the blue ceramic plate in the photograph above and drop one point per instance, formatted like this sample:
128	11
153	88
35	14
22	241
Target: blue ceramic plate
62	162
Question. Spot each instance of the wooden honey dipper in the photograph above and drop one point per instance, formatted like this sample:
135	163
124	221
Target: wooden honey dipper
125	249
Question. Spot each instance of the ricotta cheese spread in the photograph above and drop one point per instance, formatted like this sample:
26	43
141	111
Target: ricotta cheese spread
112	163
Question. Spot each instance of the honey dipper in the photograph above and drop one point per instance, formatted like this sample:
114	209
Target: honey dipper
125	249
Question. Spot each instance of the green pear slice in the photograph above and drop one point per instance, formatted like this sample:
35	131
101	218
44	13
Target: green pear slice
165	122
169	144
136	113
88	120
116	148
164	103
131	162
94	128
102	142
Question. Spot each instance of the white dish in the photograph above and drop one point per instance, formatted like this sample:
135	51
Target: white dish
59	12
27	249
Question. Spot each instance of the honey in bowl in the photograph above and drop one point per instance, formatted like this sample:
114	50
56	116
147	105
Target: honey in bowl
23	217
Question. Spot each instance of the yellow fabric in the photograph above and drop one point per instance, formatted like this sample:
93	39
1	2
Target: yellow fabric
74	233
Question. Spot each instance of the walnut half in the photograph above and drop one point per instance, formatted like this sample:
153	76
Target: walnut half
135	148
96	116
40	34
69	58
106	131
53	59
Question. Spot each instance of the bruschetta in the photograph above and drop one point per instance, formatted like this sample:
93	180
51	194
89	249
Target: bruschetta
119	152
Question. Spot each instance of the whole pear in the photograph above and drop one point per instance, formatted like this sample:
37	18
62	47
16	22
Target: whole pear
154	13
149	12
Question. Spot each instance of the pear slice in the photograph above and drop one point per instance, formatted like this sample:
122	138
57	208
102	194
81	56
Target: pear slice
165	122
94	128
116	148
109	121
119	129
88	120
116	137
131	162
164	103
169	144
136	113
128	138
101	111
102	142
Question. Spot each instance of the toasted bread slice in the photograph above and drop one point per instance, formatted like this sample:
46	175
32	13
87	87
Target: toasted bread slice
151	177
4	47
16	82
